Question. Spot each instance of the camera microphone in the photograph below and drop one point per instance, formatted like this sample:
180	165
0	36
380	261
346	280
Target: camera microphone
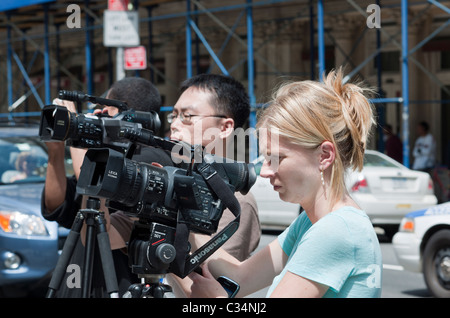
76	96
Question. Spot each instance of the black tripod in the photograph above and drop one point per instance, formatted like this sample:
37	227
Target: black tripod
95	222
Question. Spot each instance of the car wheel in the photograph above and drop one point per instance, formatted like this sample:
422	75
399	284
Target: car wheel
436	264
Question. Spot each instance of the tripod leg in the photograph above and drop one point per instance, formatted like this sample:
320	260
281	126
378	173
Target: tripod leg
66	254
88	256
106	257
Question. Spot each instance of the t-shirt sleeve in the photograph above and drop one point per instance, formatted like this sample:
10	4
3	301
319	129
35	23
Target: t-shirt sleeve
65	214
325	254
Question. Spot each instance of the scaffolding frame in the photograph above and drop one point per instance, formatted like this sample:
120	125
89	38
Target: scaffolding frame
189	14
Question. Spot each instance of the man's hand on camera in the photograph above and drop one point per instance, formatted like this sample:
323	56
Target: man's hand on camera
68	104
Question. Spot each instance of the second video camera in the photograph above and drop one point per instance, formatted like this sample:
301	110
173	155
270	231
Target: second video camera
89	131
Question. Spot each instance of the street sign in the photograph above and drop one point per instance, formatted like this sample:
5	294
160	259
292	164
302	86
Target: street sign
135	58
118	5
121	28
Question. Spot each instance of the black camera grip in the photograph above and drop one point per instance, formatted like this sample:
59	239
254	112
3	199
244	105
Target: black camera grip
182	266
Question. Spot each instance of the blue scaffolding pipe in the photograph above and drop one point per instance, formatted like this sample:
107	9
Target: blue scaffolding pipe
321	39
28	80
253	144
439	5
429	37
58	58
311	40
21	114
227	40
405	82
7	5
150	43
88	49
440	101
217	9
363	63
46	57
208	47
9	76
166	108
386	100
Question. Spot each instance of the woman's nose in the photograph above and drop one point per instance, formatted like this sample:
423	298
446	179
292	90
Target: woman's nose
266	170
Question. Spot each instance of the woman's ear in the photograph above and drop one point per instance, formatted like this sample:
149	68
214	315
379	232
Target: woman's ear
327	154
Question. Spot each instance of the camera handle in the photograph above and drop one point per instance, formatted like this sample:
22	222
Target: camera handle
80	97
182	266
95	222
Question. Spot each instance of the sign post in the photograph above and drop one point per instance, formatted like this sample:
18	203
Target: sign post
121	29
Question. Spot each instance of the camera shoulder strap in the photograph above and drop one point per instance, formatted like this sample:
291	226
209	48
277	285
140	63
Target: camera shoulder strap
183	265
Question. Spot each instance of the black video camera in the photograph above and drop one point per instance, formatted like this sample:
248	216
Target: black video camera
89	131
157	194
164	198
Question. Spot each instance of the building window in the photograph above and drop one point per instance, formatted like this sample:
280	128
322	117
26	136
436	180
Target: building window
390	61
445	60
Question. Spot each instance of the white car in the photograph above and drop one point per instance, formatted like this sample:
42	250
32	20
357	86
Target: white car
385	189
423	245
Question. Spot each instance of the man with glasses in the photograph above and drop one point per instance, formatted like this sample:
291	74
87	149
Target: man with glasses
208	111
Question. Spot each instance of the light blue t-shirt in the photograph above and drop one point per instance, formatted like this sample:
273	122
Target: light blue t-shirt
341	251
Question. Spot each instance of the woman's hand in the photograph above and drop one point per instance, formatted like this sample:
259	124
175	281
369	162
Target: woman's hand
206	286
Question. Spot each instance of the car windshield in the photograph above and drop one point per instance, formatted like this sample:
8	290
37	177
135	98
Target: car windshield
22	159
371	160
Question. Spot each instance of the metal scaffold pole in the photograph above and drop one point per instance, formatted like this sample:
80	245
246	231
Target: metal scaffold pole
405	83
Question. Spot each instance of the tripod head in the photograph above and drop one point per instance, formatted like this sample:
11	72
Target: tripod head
150	287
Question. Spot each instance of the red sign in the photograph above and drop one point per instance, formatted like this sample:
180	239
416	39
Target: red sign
135	58
118	5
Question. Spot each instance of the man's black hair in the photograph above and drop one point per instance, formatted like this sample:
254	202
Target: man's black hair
230	97
140	94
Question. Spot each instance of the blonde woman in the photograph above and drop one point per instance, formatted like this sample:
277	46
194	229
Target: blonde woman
330	250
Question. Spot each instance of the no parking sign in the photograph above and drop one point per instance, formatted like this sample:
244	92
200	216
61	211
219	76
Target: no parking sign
135	58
